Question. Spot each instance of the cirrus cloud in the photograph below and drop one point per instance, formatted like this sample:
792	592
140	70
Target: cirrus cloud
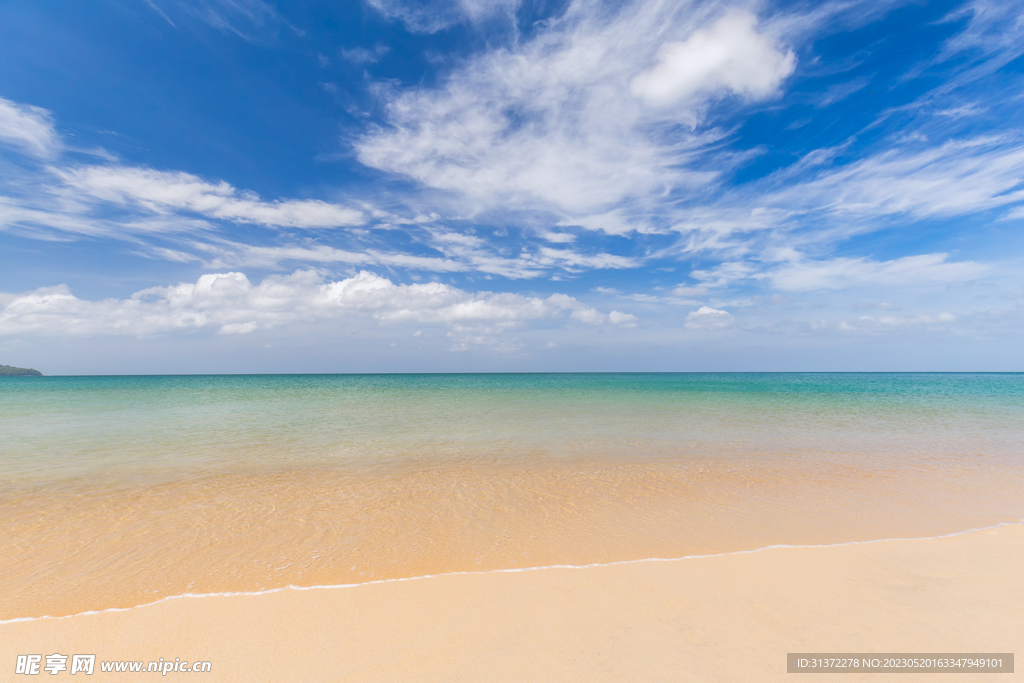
27	128
168	191
840	273
553	123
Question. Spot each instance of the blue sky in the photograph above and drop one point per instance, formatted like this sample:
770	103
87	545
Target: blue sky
478	185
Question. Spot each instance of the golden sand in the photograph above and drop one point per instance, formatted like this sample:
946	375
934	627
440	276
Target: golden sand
723	618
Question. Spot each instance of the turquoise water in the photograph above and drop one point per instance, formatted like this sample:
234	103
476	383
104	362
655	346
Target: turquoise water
58	427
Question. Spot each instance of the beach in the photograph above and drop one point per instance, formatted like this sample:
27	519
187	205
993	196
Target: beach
487	340
723	618
479	527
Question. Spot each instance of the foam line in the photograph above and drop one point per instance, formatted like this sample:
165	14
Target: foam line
509	570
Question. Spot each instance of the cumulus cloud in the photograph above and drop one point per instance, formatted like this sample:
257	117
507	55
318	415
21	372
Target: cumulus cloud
707	318
728	56
622	319
231	304
168	191
28	129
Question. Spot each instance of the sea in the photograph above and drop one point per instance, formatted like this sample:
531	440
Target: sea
117	491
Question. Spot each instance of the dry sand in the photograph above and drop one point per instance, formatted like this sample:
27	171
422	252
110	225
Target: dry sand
722	618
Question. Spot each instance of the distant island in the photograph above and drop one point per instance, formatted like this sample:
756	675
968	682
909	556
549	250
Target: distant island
11	371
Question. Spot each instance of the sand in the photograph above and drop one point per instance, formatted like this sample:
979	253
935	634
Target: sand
721	618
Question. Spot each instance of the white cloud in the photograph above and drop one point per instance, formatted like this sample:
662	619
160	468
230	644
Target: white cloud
49	214
60	197
888	324
707	318
232	255
461	253
615	222
841	273
559	237
479	256
686	290
728	56
722	275
131	202
622	319
956	178
571	119
494	337
27	128
551	123
795	273
252	20
992	38
840	91
1016	213
900	321
238	328
361	55
431	16
231	304
569	258
793	208
168	191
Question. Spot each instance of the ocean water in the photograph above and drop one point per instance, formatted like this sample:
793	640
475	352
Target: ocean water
116	491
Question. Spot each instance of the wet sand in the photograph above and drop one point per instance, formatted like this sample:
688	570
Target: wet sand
76	548
722	618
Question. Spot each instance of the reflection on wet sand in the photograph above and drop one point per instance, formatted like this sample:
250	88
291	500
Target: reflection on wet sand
97	543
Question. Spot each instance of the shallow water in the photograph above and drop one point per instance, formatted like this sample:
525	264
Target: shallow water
116	491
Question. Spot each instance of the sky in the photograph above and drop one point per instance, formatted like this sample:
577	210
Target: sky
224	186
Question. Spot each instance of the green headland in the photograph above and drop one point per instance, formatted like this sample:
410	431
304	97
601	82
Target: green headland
11	371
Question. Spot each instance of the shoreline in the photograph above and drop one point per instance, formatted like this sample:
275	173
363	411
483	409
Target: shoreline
506	570
730	616
281	589
250	533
